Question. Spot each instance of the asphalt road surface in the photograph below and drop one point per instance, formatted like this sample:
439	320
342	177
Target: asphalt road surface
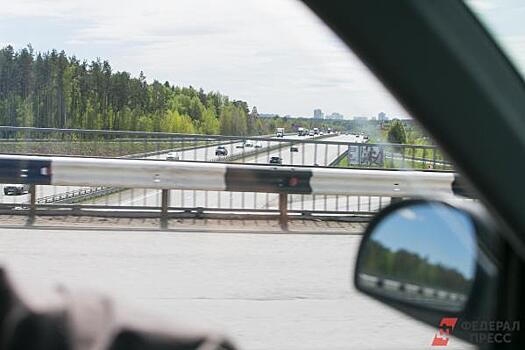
267	291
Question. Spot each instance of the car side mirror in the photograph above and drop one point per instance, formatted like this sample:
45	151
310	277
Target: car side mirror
431	260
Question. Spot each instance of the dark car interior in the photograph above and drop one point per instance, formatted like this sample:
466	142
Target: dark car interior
452	76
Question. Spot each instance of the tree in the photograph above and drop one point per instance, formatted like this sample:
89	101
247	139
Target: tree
396	133
209	124
50	89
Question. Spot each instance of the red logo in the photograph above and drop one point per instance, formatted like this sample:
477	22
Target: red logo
446	326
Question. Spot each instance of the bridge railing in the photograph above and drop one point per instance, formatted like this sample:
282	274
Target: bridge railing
114	187
333	150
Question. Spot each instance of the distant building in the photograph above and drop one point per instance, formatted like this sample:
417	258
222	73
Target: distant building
360	118
335	116
318	114
381	116
254	114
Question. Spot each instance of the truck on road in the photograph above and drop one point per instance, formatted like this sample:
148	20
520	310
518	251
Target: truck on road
280	132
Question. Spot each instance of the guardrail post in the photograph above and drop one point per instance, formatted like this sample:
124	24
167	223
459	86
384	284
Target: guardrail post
394	200
32	204
283	211
165	199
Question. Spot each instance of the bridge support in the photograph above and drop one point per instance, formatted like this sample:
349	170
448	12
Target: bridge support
165	200
283	211
32	204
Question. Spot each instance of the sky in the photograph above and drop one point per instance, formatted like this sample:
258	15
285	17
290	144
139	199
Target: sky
443	235
274	54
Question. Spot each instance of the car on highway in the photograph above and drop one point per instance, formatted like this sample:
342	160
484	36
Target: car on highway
311	133
172	156
276	160
294	149
16	189
240	145
258	144
249	143
221	151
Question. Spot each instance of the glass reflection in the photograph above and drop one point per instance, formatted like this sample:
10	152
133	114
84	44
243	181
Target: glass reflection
424	253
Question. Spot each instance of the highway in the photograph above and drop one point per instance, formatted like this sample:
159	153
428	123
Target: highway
267	291
201	154
308	154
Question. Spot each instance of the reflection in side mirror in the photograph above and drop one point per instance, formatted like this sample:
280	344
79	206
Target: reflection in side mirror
423	254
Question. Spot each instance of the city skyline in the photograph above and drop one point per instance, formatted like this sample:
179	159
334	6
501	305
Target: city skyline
381	116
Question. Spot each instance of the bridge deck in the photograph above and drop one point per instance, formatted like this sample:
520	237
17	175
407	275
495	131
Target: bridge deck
312	226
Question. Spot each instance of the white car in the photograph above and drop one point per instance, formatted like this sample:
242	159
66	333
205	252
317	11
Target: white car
16	189
172	156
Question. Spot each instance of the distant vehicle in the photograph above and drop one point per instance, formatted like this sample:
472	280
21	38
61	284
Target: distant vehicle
294	149
316	131
321	133
221	151
258	144
172	156
300	131
329	130
248	143
276	160
311	133
240	145
15	189
280	132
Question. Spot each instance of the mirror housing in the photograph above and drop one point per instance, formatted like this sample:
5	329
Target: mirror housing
432	260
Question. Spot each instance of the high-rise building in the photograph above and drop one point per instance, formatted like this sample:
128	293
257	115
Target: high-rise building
318	114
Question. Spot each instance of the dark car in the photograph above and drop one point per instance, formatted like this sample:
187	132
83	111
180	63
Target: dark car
221	151
16	189
294	149
276	160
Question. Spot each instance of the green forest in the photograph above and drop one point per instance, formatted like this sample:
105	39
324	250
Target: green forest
51	89
410	267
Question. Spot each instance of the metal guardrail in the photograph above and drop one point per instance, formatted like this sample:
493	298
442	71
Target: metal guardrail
201	148
160	177
112	144
77	195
